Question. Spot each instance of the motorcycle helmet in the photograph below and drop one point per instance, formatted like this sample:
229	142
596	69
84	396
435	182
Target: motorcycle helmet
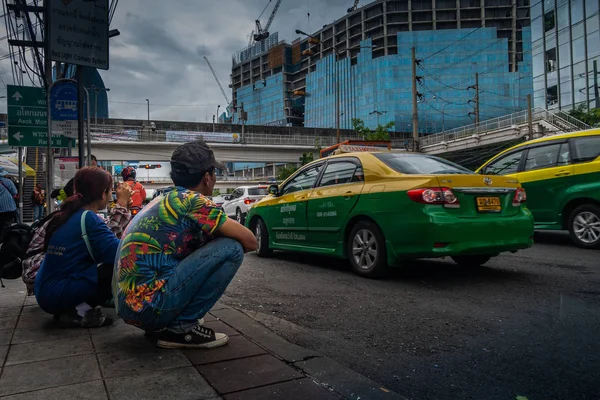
127	173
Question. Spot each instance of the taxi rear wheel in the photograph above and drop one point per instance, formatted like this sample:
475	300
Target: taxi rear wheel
366	250
471	261
584	226
262	238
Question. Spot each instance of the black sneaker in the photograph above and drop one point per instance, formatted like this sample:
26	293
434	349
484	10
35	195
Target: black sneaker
199	337
154	334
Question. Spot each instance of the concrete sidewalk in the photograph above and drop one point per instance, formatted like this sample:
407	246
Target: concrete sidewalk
118	362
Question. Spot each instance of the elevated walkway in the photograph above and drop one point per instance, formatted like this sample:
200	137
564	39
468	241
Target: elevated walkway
501	129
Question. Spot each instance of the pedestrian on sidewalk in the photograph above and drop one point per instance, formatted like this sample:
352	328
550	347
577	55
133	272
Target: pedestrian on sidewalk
76	274
38	198
118	218
177	258
8	191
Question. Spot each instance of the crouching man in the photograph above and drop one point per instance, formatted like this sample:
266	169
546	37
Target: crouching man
178	256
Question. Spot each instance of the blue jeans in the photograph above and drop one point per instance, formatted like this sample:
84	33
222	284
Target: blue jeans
38	212
198	282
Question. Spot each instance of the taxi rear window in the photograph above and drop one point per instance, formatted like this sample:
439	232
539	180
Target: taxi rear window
415	164
260	191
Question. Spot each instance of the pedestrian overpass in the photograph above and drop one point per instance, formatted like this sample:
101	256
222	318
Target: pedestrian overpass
519	125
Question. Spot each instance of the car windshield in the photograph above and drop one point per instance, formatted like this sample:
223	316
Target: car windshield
258	191
415	164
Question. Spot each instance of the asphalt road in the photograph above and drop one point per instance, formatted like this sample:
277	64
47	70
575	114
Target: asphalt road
526	324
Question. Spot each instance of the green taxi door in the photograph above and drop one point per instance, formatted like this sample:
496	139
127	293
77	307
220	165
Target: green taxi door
332	200
546	175
288	215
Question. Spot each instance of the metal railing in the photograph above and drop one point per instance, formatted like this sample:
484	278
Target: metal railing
112	133
559	119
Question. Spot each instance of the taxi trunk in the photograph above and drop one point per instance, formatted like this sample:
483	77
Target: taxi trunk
475	196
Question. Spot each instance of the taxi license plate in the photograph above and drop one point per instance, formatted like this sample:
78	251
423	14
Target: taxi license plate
488	204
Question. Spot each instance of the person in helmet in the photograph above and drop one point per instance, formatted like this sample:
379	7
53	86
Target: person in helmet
139	193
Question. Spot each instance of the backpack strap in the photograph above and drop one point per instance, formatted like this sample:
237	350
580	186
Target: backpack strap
84	235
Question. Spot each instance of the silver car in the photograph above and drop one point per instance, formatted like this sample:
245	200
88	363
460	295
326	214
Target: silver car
242	199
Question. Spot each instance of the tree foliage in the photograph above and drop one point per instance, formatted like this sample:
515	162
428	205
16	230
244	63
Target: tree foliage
288	170
381	133
592	117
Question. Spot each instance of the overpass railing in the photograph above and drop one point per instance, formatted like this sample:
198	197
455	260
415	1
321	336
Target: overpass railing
560	119
136	134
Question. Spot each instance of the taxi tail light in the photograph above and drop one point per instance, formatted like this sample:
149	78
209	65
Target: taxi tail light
520	197
443	196
249	201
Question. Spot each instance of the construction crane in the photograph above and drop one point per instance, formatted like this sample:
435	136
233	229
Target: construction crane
261	33
354	7
217	79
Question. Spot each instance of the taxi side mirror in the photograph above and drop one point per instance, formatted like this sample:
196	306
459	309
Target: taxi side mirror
274	190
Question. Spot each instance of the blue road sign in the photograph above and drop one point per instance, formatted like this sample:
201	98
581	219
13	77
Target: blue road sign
63	102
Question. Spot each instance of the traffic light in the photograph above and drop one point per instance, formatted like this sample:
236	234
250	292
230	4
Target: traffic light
152	166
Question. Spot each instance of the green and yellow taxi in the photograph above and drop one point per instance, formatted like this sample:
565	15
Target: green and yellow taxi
561	175
379	209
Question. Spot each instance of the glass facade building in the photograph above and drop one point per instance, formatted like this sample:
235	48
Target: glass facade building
379	90
379	77
565	44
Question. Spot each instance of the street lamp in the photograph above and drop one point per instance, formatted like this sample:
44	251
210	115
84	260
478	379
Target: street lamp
378	114
219	106
96	90
315	40
148	101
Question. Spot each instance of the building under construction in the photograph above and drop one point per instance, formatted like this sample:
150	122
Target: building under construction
366	55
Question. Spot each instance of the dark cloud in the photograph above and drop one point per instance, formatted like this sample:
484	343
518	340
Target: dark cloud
159	52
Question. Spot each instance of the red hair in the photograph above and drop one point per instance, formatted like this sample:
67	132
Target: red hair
90	184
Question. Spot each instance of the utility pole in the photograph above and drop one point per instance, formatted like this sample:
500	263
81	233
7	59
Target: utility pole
48	83
415	112
529	117
475	100
596	84
148	101
243	122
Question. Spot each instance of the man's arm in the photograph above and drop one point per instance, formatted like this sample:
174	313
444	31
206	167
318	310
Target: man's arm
236	231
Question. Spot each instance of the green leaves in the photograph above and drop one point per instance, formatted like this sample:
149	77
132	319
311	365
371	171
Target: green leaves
379	134
140	239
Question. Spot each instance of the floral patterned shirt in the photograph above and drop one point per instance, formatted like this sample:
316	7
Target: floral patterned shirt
167	230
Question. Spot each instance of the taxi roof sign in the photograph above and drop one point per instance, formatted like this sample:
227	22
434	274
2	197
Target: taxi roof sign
351	146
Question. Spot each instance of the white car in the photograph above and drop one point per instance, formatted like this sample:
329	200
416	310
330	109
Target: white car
242	199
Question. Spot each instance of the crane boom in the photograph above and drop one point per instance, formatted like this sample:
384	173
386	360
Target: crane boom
272	17
217	79
354	7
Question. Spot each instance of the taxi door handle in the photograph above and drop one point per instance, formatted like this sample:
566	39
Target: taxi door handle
562	173
349	194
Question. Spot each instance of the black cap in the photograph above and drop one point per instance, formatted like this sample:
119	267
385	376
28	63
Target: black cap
193	158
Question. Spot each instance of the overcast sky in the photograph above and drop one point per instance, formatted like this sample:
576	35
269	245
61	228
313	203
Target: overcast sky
159	52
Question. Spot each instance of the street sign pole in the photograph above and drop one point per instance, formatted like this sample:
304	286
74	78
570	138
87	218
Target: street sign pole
80	113
50	156
49	152
20	166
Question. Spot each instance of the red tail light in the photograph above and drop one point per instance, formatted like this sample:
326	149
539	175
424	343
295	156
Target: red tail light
249	201
520	197
134	211
444	196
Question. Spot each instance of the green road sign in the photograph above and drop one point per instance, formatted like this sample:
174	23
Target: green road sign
28	118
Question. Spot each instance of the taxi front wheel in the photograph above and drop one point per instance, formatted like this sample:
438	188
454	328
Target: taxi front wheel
366	250
584	226
262	238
